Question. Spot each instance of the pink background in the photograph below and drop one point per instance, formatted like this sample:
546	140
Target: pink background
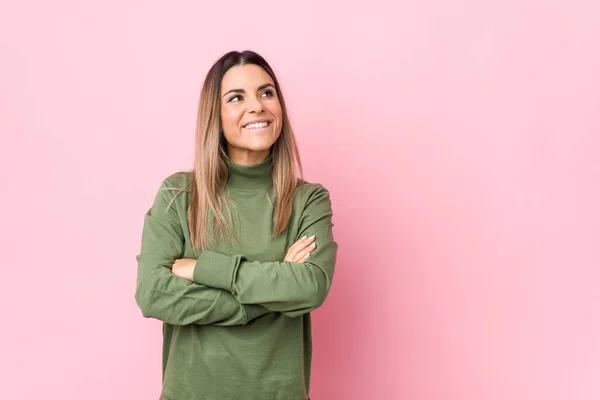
459	140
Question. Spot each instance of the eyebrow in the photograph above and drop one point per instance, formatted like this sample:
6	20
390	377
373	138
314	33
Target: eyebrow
261	87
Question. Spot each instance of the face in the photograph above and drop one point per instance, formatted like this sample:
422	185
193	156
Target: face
250	113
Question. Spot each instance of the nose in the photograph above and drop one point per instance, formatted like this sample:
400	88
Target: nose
255	105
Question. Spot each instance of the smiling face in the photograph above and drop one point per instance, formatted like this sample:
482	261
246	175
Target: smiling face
250	113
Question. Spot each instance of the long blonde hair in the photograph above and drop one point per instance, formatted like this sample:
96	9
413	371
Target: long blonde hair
210	171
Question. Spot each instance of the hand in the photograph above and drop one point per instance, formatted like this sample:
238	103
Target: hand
301	249
184	268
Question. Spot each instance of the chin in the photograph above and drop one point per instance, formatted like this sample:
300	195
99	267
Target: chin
259	146
258	149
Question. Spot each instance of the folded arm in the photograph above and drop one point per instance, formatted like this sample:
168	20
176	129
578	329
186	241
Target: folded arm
170	298
289	287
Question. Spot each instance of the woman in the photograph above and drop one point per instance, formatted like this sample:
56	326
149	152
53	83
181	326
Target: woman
236	253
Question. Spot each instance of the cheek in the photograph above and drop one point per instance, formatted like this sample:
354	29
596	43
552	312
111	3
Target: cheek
276	111
229	118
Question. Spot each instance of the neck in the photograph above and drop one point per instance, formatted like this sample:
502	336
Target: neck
249	177
247	157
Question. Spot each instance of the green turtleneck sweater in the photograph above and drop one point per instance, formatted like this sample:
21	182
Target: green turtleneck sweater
242	329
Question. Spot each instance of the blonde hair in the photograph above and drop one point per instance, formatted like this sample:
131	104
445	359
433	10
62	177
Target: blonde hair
210	171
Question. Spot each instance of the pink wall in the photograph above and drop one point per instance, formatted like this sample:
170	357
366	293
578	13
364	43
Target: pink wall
459	139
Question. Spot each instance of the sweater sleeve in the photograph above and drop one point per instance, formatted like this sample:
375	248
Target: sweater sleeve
168	297
289	287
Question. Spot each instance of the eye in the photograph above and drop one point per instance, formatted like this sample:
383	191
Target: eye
237	96
269	92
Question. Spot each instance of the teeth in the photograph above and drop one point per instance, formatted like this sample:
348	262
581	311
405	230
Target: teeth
257	125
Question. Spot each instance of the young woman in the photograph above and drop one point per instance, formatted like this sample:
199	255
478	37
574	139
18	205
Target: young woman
236	253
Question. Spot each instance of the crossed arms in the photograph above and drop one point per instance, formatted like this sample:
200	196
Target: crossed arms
230	290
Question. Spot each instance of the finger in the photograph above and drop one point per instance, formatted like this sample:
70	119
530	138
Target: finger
304	242
302	258
295	258
301	243
306	251
296	247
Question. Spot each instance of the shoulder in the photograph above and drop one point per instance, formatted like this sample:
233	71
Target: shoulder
167	199
311	188
178	181
171	187
313	194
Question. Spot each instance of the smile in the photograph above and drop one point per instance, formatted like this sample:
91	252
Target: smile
258	125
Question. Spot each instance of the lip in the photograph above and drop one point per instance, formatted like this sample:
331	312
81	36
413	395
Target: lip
258	120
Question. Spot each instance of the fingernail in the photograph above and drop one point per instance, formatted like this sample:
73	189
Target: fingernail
312	237
303	237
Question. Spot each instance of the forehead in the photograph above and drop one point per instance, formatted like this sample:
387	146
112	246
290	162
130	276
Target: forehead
247	77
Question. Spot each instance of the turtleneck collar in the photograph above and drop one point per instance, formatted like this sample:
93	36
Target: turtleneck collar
249	177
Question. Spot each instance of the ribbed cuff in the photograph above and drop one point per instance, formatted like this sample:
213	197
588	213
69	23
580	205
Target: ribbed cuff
215	270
